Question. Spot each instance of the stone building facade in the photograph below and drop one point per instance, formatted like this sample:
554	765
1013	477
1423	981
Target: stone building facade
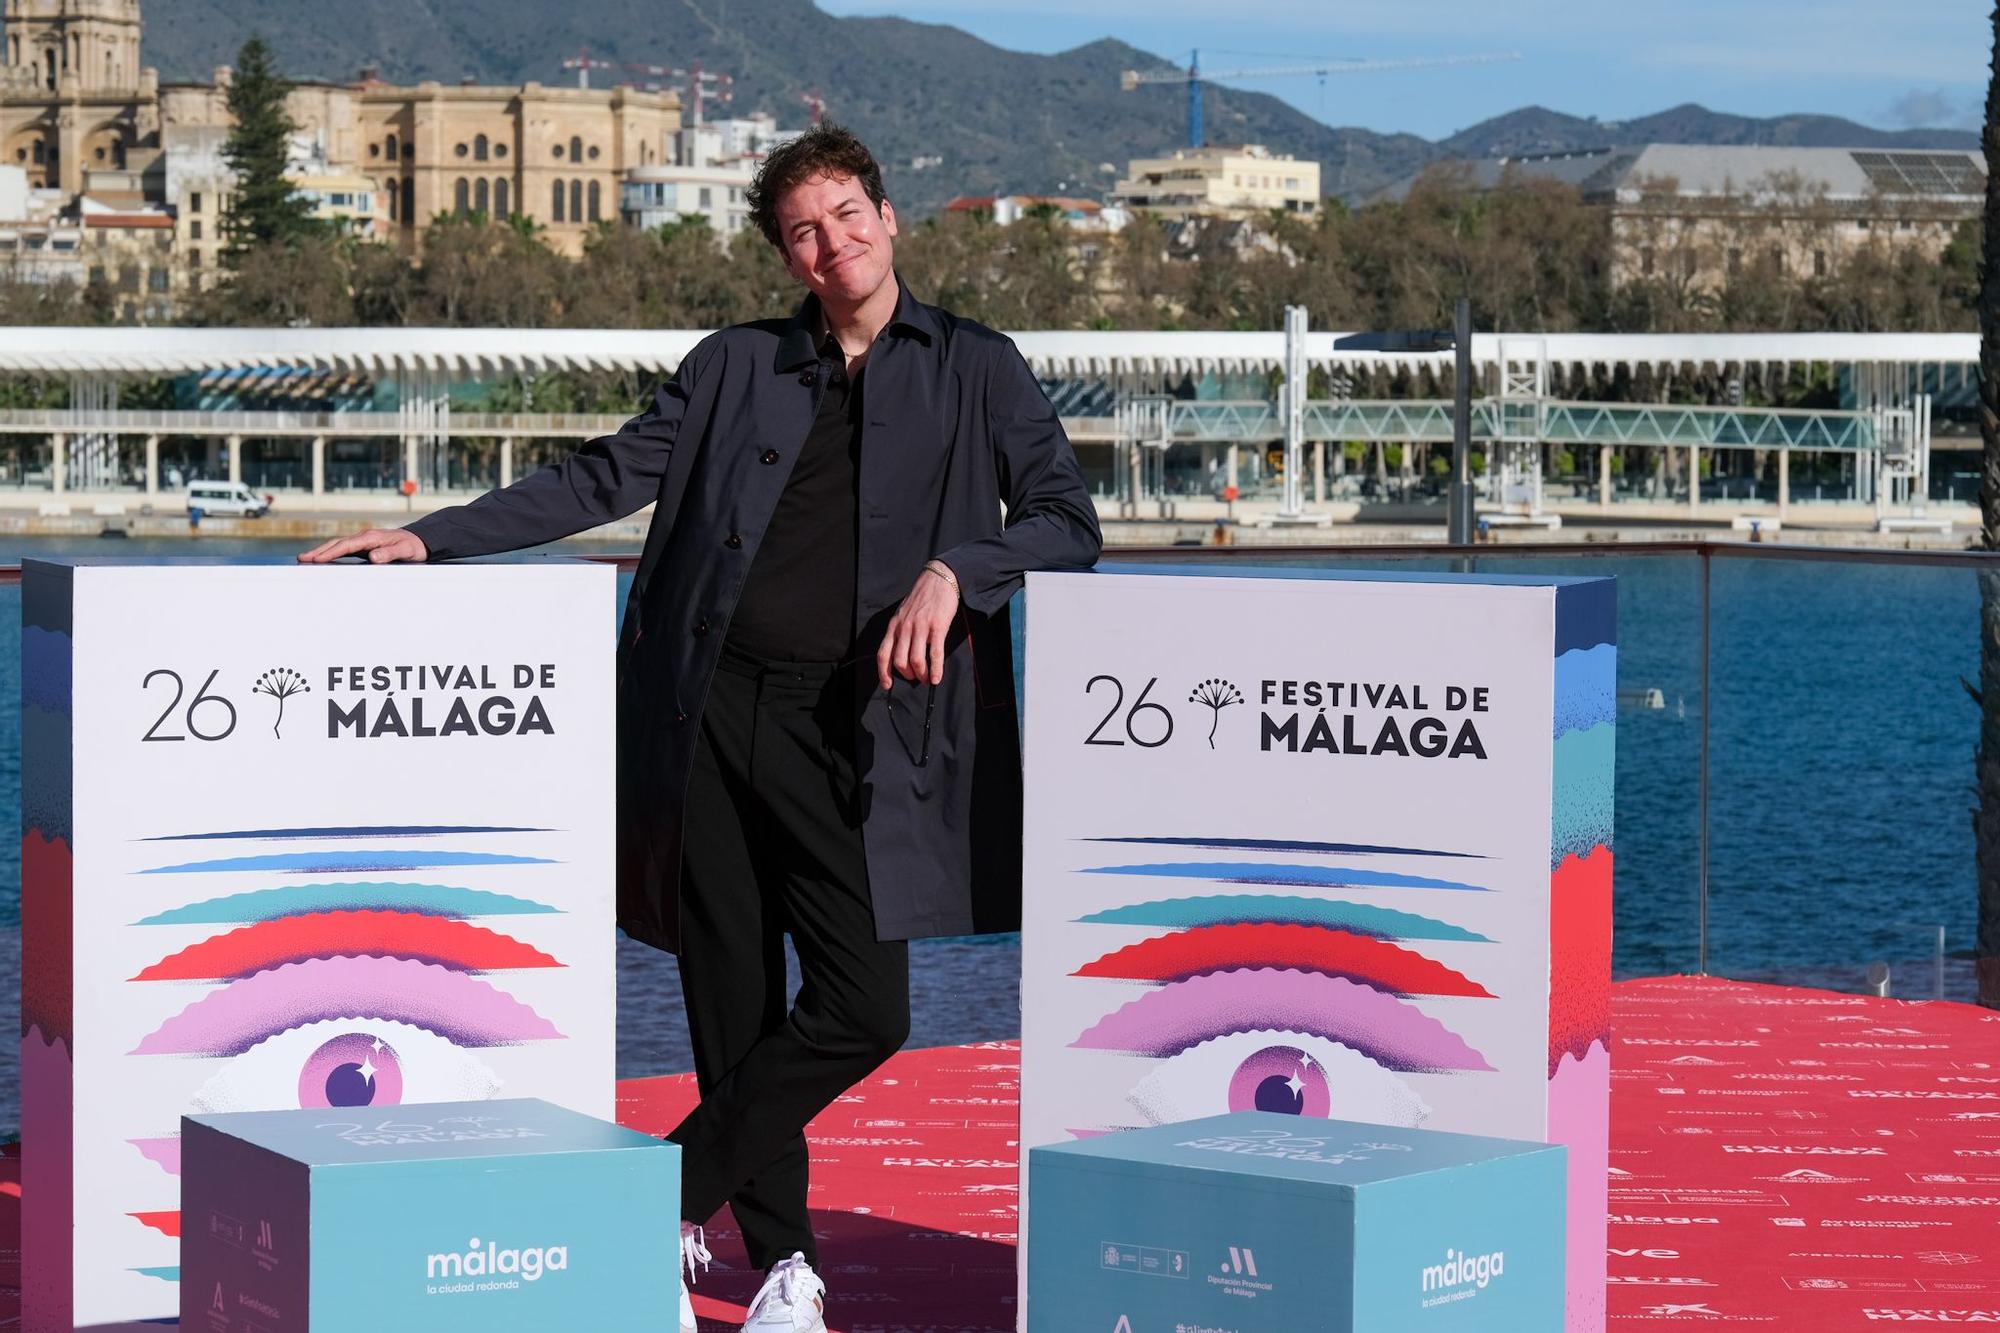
74	100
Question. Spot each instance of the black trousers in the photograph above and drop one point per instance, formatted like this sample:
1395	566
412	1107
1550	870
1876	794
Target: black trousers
773	845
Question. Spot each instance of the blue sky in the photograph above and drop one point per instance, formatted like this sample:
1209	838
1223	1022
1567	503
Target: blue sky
1890	63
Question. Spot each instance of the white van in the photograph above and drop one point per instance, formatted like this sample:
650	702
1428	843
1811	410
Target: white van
225	499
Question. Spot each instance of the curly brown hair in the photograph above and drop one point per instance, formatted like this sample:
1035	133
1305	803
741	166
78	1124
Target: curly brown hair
824	150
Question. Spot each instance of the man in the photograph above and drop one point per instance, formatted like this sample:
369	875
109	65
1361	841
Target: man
816	705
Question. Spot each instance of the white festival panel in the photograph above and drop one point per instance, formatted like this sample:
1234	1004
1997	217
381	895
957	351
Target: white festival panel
1329	845
327	837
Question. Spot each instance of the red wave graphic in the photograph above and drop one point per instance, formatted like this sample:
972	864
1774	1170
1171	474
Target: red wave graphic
47	931
1362	958
375	933
1579	955
167	1224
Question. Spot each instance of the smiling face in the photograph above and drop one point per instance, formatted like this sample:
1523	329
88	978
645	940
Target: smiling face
836	241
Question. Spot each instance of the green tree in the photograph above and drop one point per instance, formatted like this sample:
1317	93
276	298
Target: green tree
264	207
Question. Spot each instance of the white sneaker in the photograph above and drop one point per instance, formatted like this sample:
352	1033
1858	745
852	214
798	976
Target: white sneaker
792	1300
694	1250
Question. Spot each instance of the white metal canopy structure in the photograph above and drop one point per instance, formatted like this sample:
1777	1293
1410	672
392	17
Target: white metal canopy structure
1519	414
469	353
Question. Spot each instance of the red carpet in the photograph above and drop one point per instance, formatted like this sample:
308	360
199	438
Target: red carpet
1788	1159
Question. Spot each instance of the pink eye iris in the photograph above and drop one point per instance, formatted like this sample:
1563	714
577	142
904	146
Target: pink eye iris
1283	1079
354	1069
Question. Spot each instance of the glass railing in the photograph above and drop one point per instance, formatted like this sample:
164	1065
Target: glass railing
1795	782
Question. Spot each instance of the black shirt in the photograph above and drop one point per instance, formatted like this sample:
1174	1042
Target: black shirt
798	600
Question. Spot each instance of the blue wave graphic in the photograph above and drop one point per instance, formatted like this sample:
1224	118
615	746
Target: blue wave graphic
356	831
305	899
1238	909
1586	688
1255	872
1290	845
45	670
47	774
1584	765
334	863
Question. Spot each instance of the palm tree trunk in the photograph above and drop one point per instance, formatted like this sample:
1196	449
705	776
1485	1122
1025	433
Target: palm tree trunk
1986	819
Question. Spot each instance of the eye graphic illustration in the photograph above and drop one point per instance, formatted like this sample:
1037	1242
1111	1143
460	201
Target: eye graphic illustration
1259	872
347	1063
462	1009
1239	909
1206	949
1290	1073
1387	1030
309	899
267	944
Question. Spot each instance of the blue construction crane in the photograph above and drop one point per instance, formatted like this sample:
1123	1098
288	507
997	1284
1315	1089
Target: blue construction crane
1194	76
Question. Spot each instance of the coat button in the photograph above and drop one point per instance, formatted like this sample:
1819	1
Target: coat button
734	541
680	717
770	456
701	628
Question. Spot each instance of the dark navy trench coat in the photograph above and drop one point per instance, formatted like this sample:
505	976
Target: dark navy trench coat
962	458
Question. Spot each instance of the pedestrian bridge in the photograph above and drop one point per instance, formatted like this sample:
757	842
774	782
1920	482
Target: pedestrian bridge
1416	421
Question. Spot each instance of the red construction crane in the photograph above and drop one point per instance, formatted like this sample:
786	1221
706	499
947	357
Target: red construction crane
583	64
704	86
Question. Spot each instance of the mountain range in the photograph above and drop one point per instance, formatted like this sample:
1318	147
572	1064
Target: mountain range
999	120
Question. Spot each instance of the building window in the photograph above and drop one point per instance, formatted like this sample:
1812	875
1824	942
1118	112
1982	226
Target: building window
596	201
98	153
576	201
593	152
41	153
558	151
1735	262
409	150
96	272
1906	225
707	198
1646	261
461	194
194	259
459	150
576	148
500	200
556	207
499	150
479	148
409	202
128	277
1819	263
194	202
156	279
194	230
374	150
389	145
391	190
481	200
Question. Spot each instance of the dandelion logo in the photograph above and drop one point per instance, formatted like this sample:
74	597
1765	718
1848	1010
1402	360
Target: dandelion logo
281	683
1216	694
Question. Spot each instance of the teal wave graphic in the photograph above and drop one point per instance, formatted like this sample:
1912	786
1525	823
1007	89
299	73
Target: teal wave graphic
1262	908
1584	764
301	900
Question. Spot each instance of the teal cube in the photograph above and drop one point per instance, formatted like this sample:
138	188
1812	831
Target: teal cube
1265	1223
448	1217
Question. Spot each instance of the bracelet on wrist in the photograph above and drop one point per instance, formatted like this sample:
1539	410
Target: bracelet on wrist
943	571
